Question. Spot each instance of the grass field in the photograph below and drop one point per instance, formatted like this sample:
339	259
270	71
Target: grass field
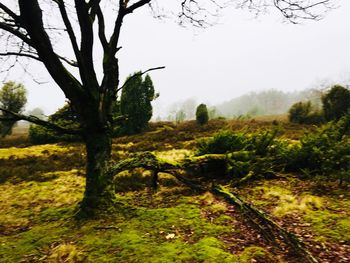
42	185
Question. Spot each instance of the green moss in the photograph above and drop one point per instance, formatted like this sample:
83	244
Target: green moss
34	151
223	219
329	225
174	155
217	208
181	219
256	254
328	215
173	234
210	250
31	243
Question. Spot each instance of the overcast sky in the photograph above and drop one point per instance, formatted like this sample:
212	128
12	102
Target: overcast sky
236	56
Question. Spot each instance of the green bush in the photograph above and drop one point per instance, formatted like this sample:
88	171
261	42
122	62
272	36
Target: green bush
42	135
325	151
222	142
336	102
228	141
202	115
303	113
247	155
64	117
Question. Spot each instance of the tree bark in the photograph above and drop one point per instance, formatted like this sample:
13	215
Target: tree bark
99	190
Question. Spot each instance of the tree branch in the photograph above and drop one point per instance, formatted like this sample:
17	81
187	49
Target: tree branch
9	12
16	33
13	116
18	54
88	74
139	74
31	14
136	5
101	28
68	61
70	30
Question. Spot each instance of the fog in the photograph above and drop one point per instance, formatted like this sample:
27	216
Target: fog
240	54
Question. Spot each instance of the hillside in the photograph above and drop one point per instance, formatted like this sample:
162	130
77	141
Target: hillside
41	186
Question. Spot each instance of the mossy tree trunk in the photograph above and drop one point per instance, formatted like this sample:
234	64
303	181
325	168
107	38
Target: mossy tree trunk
99	189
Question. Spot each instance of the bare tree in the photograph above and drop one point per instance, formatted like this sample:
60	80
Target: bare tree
30	29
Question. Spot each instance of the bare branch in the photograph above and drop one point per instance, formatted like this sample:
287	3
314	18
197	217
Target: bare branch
139	74
136	5
69	28
293	10
9	12
101	28
17	33
13	116
68	61
20	54
31	14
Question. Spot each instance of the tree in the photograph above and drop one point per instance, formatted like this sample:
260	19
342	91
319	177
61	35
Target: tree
180	116
135	102
336	102
202	115
29	31
13	98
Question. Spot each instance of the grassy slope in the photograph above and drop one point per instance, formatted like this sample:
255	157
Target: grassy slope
40	187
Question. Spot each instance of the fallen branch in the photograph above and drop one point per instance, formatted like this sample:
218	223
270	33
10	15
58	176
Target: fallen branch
196	167
266	225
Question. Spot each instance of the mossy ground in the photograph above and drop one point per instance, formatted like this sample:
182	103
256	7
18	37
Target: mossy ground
37	222
316	210
41	187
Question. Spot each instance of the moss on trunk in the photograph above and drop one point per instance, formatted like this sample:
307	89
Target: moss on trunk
99	190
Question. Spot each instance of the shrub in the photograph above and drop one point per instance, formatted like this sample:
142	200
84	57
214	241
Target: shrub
247	155
325	151
64	117
202	115
336	102
303	113
222	142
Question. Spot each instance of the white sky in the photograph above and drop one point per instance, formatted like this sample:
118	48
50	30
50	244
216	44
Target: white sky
239	55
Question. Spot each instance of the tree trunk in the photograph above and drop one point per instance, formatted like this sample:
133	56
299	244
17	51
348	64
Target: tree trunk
99	190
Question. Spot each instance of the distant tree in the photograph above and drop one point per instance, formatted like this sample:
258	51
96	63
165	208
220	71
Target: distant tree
13	98
135	102
336	102
212	112
202	115
189	107
180	116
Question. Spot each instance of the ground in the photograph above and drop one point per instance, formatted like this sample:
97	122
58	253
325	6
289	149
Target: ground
41	186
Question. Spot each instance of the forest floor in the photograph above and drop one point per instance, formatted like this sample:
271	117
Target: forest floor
42	185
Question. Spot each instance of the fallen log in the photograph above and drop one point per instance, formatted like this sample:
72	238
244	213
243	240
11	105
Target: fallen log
270	229
196	167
